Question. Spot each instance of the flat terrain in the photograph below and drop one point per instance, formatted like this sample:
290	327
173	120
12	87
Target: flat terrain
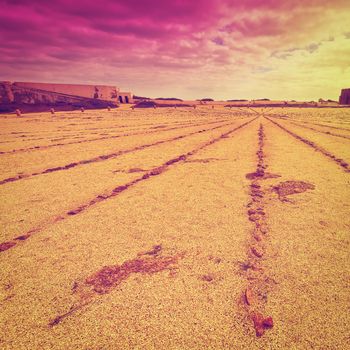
175	228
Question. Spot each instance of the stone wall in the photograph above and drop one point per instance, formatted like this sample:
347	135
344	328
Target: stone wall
102	92
13	96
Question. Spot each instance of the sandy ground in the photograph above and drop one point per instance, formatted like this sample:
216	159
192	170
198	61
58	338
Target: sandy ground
175	229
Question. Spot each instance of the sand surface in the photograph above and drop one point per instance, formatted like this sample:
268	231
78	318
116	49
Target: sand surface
175	229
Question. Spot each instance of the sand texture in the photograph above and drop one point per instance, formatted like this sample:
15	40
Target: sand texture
175	228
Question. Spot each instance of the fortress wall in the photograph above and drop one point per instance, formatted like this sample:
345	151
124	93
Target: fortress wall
32	98
103	92
6	93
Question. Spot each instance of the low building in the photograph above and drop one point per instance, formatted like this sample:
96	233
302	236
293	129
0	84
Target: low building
125	97
344	98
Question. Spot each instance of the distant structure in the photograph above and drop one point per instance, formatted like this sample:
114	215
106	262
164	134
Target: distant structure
344	98
42	96
101	92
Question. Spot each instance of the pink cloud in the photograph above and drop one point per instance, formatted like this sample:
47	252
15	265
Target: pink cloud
118	41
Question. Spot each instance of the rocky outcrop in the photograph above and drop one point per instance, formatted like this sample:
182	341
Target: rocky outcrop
153	104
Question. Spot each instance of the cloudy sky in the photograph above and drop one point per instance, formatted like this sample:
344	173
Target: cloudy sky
278	49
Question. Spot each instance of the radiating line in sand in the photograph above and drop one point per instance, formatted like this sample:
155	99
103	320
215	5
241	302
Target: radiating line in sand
316	130
342	163
258	282
318	124
119	189
104	157
142	132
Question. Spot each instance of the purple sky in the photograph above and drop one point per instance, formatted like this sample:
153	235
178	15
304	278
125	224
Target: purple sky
189	49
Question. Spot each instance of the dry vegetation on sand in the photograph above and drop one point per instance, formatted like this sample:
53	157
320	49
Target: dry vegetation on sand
175	229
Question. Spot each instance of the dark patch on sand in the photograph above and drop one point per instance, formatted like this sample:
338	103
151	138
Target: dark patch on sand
154	251
136	170
287	188
261	175
204	160
6	245
207	278
109	277
261	323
